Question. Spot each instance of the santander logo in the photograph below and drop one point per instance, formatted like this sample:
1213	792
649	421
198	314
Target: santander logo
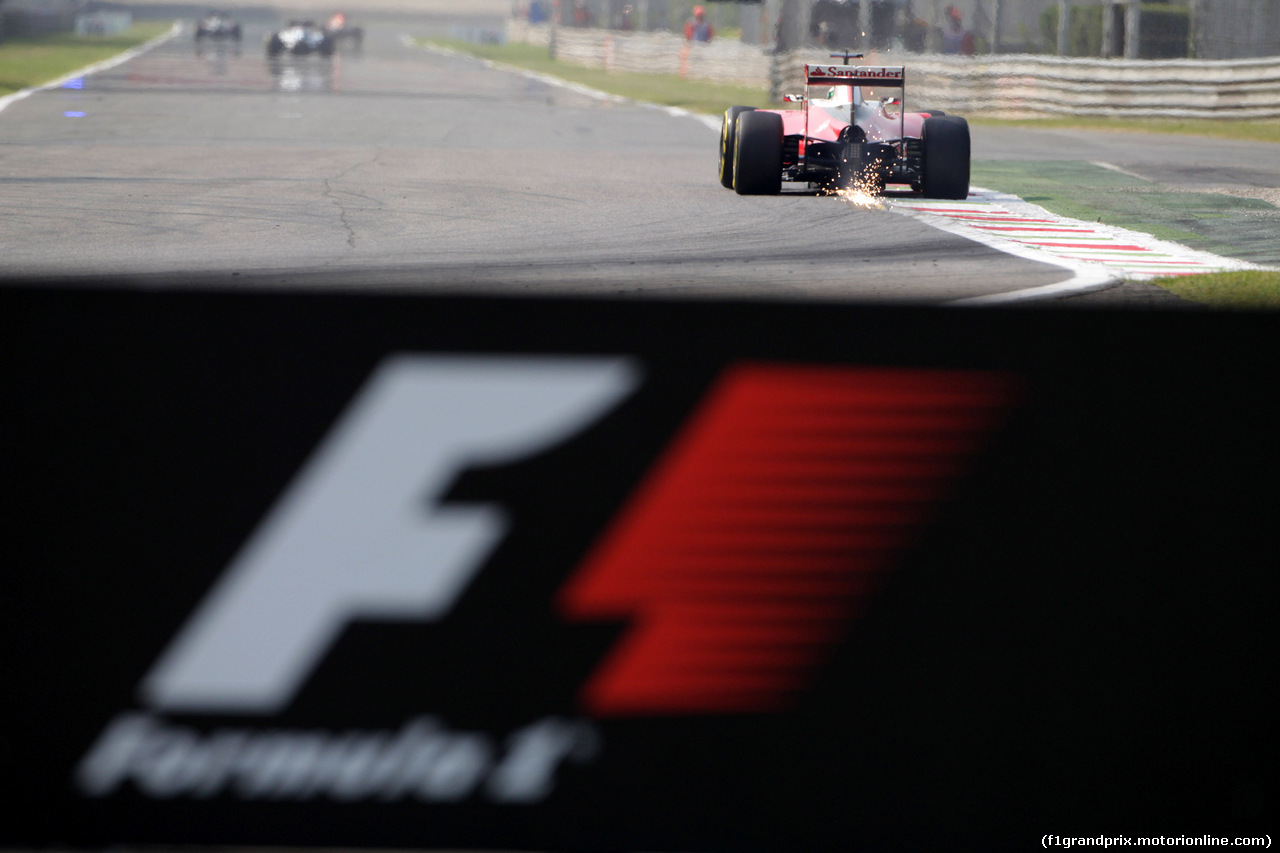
857	73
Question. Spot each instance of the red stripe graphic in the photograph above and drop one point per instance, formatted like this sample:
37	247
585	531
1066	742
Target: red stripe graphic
989	218
979	215
972	210
1112	247
1036	230
765	526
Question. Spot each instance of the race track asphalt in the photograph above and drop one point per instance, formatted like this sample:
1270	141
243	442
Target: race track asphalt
395	167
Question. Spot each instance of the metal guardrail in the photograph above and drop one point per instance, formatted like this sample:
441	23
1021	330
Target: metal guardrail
103	23
1054	86
651	52
995	85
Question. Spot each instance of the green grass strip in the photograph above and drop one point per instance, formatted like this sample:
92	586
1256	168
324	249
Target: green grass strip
1252	130
1247	289
27	61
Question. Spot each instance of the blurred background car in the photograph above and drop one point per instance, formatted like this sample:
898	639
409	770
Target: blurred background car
299	39
217	25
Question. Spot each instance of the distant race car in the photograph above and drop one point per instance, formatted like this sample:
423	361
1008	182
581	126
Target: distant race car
217	25
844	141
300	38
340	31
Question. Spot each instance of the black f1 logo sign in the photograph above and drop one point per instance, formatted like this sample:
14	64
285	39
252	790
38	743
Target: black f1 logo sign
760	532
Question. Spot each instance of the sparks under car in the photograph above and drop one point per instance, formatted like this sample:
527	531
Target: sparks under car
299	39
843	140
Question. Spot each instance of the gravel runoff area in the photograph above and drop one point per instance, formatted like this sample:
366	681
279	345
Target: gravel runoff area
1268	194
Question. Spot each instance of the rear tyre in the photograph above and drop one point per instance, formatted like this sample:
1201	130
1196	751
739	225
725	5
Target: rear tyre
757	154
728	139
275	46
946	157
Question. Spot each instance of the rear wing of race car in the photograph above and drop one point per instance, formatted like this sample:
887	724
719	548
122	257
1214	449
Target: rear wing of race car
855	75
878	76
846	74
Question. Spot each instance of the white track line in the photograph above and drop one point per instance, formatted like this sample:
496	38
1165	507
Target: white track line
92	69
1111	167
712	122
1085	277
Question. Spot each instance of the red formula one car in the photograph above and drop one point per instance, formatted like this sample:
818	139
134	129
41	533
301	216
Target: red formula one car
842	140
339	30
